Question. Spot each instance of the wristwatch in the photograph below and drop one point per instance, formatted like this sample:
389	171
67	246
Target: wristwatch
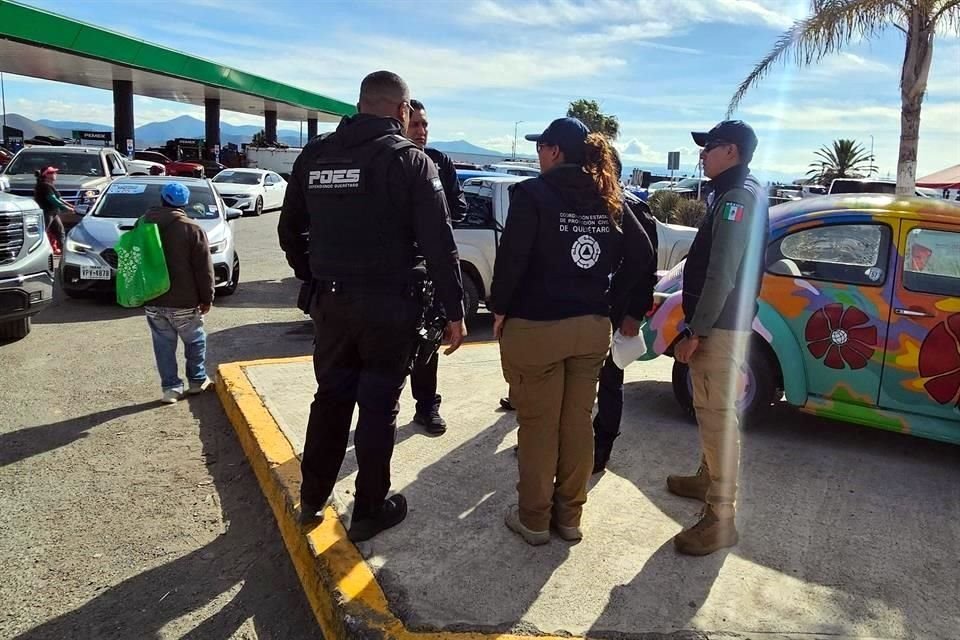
687	333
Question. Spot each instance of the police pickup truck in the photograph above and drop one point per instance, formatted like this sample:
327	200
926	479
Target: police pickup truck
478	236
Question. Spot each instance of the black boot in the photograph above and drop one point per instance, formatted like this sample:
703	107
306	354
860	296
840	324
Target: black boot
392	513
431	421
602	448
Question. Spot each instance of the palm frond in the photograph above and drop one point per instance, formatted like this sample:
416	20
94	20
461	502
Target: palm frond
946	13
831	25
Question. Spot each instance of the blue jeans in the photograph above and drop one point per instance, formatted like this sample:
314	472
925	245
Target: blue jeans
166	325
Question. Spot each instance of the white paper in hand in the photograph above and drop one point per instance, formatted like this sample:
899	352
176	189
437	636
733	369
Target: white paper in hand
625	350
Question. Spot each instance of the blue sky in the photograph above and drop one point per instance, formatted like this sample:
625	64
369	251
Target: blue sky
663	67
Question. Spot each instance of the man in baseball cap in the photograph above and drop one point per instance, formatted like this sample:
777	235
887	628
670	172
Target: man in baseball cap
567	133
721	282
175	194
735	132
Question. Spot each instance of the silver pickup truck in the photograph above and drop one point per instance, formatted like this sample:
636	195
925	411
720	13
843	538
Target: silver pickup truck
85	173
26	265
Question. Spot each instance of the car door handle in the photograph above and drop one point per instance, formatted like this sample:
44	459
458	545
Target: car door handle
913	312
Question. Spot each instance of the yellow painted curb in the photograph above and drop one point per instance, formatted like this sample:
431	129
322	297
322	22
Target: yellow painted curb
340	587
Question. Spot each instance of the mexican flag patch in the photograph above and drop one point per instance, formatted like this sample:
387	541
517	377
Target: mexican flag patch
733	211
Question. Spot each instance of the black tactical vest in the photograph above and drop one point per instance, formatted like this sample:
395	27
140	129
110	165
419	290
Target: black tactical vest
357	234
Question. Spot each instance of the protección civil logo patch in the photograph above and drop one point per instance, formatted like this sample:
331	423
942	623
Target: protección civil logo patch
733	211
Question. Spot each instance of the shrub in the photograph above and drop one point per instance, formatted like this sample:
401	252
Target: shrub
689	213
663	203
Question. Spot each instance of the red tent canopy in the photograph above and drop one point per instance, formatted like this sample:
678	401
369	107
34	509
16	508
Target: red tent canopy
944	179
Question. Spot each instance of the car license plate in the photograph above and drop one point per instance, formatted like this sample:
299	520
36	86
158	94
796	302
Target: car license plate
94	273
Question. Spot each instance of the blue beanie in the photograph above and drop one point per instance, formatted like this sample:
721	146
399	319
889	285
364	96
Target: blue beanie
175	194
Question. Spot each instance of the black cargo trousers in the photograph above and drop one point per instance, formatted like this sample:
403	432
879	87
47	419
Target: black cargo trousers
364	341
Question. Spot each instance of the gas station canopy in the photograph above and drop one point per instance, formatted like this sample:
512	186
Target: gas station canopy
45	45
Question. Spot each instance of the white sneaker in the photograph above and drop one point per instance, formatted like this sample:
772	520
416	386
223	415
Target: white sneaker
199	387
170	396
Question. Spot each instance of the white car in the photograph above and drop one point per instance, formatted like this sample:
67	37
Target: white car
250	190
89	261
144	168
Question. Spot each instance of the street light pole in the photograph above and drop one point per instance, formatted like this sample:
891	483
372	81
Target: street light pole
514	155
3	98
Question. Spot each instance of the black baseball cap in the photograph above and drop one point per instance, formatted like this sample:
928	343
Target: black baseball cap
567	133
737	132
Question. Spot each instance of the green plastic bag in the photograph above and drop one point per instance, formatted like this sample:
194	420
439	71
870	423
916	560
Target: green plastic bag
141	266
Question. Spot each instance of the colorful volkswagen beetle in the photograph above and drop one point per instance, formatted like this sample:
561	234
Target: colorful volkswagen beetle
859	315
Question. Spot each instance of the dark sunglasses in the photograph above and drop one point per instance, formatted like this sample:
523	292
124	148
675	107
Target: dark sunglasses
710	146
543	145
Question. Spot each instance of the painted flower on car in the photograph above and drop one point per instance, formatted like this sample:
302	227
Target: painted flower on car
839	336
940	361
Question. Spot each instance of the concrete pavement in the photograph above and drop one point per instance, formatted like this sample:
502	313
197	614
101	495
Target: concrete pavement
845	531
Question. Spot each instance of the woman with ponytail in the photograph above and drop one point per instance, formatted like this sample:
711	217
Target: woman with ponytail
568	231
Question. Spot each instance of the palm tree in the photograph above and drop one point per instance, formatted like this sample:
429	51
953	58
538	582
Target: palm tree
834	23
843	159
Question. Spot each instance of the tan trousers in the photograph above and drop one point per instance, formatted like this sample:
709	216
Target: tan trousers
552	368
715	370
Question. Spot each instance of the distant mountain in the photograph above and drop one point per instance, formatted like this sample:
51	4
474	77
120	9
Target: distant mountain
29	127
462	146
157	133
70	127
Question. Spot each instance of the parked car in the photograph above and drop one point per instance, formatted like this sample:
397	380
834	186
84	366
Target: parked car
515	169
89	260
85	172
875	185
859	315
144	168
173	167
465	174
250	190
478	235
26	265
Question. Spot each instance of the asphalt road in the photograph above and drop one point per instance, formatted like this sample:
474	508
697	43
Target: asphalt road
124	518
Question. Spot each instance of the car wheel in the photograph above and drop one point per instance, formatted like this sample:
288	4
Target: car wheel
258	207
231	287
471	297
759	390
15	329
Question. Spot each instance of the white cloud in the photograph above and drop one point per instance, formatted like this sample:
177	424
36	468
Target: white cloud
565	13
832	117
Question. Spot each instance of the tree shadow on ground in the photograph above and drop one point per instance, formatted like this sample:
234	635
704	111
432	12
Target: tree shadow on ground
248	557
25	443
265	294
259	340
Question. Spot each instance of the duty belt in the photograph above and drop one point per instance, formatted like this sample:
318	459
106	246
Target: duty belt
327	286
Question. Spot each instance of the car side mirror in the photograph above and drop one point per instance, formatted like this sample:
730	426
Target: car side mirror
233	214
118	171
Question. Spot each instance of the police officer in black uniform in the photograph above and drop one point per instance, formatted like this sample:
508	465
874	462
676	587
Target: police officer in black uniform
423	378
606	423
372	202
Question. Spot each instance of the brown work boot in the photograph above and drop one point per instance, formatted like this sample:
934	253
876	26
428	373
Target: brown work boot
710	534
694	486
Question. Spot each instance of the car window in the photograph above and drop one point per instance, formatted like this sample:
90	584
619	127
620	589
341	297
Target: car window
479	199
862	186
849	253
132	199
78	164
237	177
931	262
